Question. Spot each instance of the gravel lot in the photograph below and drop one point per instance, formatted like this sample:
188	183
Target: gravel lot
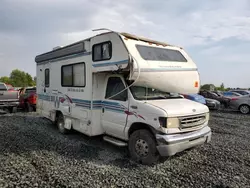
34	154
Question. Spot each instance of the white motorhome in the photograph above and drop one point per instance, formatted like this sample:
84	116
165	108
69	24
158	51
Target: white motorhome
123	87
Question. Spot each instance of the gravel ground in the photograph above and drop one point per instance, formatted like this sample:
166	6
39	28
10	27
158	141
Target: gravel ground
34	154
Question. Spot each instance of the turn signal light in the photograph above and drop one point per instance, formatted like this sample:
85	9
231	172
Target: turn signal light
196	84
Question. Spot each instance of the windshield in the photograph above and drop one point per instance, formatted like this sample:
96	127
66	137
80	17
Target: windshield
144	93
160	54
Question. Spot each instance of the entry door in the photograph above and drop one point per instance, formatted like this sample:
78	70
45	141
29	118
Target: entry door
46	91
114	117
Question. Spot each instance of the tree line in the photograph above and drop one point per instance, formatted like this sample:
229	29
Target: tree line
19	78
218	88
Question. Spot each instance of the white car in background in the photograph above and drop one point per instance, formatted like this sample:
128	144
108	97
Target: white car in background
242	92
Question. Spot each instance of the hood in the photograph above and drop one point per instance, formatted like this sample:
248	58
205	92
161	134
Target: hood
179	107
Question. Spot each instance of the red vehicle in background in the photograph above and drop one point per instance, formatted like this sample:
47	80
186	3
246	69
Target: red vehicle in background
10	87
28	98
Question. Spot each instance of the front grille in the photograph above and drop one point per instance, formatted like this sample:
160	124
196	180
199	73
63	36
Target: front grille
192	121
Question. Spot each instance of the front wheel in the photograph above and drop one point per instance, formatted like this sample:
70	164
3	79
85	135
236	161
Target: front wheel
13	109
244	109
142	147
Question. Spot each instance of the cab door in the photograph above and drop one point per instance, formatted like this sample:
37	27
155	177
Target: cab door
114	109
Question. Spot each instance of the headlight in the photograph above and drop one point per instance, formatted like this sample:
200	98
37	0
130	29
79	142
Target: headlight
173	123
169	122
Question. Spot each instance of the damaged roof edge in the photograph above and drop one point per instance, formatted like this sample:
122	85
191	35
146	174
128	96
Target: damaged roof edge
131	36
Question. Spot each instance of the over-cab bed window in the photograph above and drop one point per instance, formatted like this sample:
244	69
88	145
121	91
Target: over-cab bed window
160	54
102	51
73	75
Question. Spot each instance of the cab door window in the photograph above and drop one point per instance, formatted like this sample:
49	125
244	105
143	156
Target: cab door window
114	86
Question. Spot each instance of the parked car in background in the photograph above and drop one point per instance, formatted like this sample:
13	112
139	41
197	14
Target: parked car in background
241	104
216	96
28	98
230	94
195	97
10	87
9	99
212	104
242	92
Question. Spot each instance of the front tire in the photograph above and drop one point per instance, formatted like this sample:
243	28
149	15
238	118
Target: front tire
244	109
142	147
13	109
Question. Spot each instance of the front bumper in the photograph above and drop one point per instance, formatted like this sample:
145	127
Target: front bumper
169	145
9	104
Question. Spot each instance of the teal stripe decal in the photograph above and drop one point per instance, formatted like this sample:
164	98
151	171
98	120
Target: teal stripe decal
97	104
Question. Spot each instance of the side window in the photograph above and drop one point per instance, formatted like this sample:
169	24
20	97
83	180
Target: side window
114	86
73	75
102	51
47	77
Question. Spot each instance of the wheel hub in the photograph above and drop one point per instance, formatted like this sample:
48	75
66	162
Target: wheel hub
244	109
60	125
141	147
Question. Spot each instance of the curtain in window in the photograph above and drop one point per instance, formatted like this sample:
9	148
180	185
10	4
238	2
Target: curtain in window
67	75
98	52
79	75
105	49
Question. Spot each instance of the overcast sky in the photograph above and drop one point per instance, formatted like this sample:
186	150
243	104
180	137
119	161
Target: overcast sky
215	33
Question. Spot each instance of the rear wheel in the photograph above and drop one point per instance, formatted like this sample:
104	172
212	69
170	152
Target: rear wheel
244	109
28	107
142	147
60	124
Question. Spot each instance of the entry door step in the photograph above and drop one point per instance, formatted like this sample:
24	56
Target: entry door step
114	141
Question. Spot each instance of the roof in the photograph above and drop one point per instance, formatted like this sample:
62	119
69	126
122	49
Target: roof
135	37
79	47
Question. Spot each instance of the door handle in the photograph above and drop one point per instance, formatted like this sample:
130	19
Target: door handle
134	107
103	110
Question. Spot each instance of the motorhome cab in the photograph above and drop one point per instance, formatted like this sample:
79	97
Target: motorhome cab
124	87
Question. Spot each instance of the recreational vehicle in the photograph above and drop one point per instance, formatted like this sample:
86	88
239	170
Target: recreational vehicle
124	87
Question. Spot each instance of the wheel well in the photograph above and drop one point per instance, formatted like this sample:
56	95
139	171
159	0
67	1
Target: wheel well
137	126
57	114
